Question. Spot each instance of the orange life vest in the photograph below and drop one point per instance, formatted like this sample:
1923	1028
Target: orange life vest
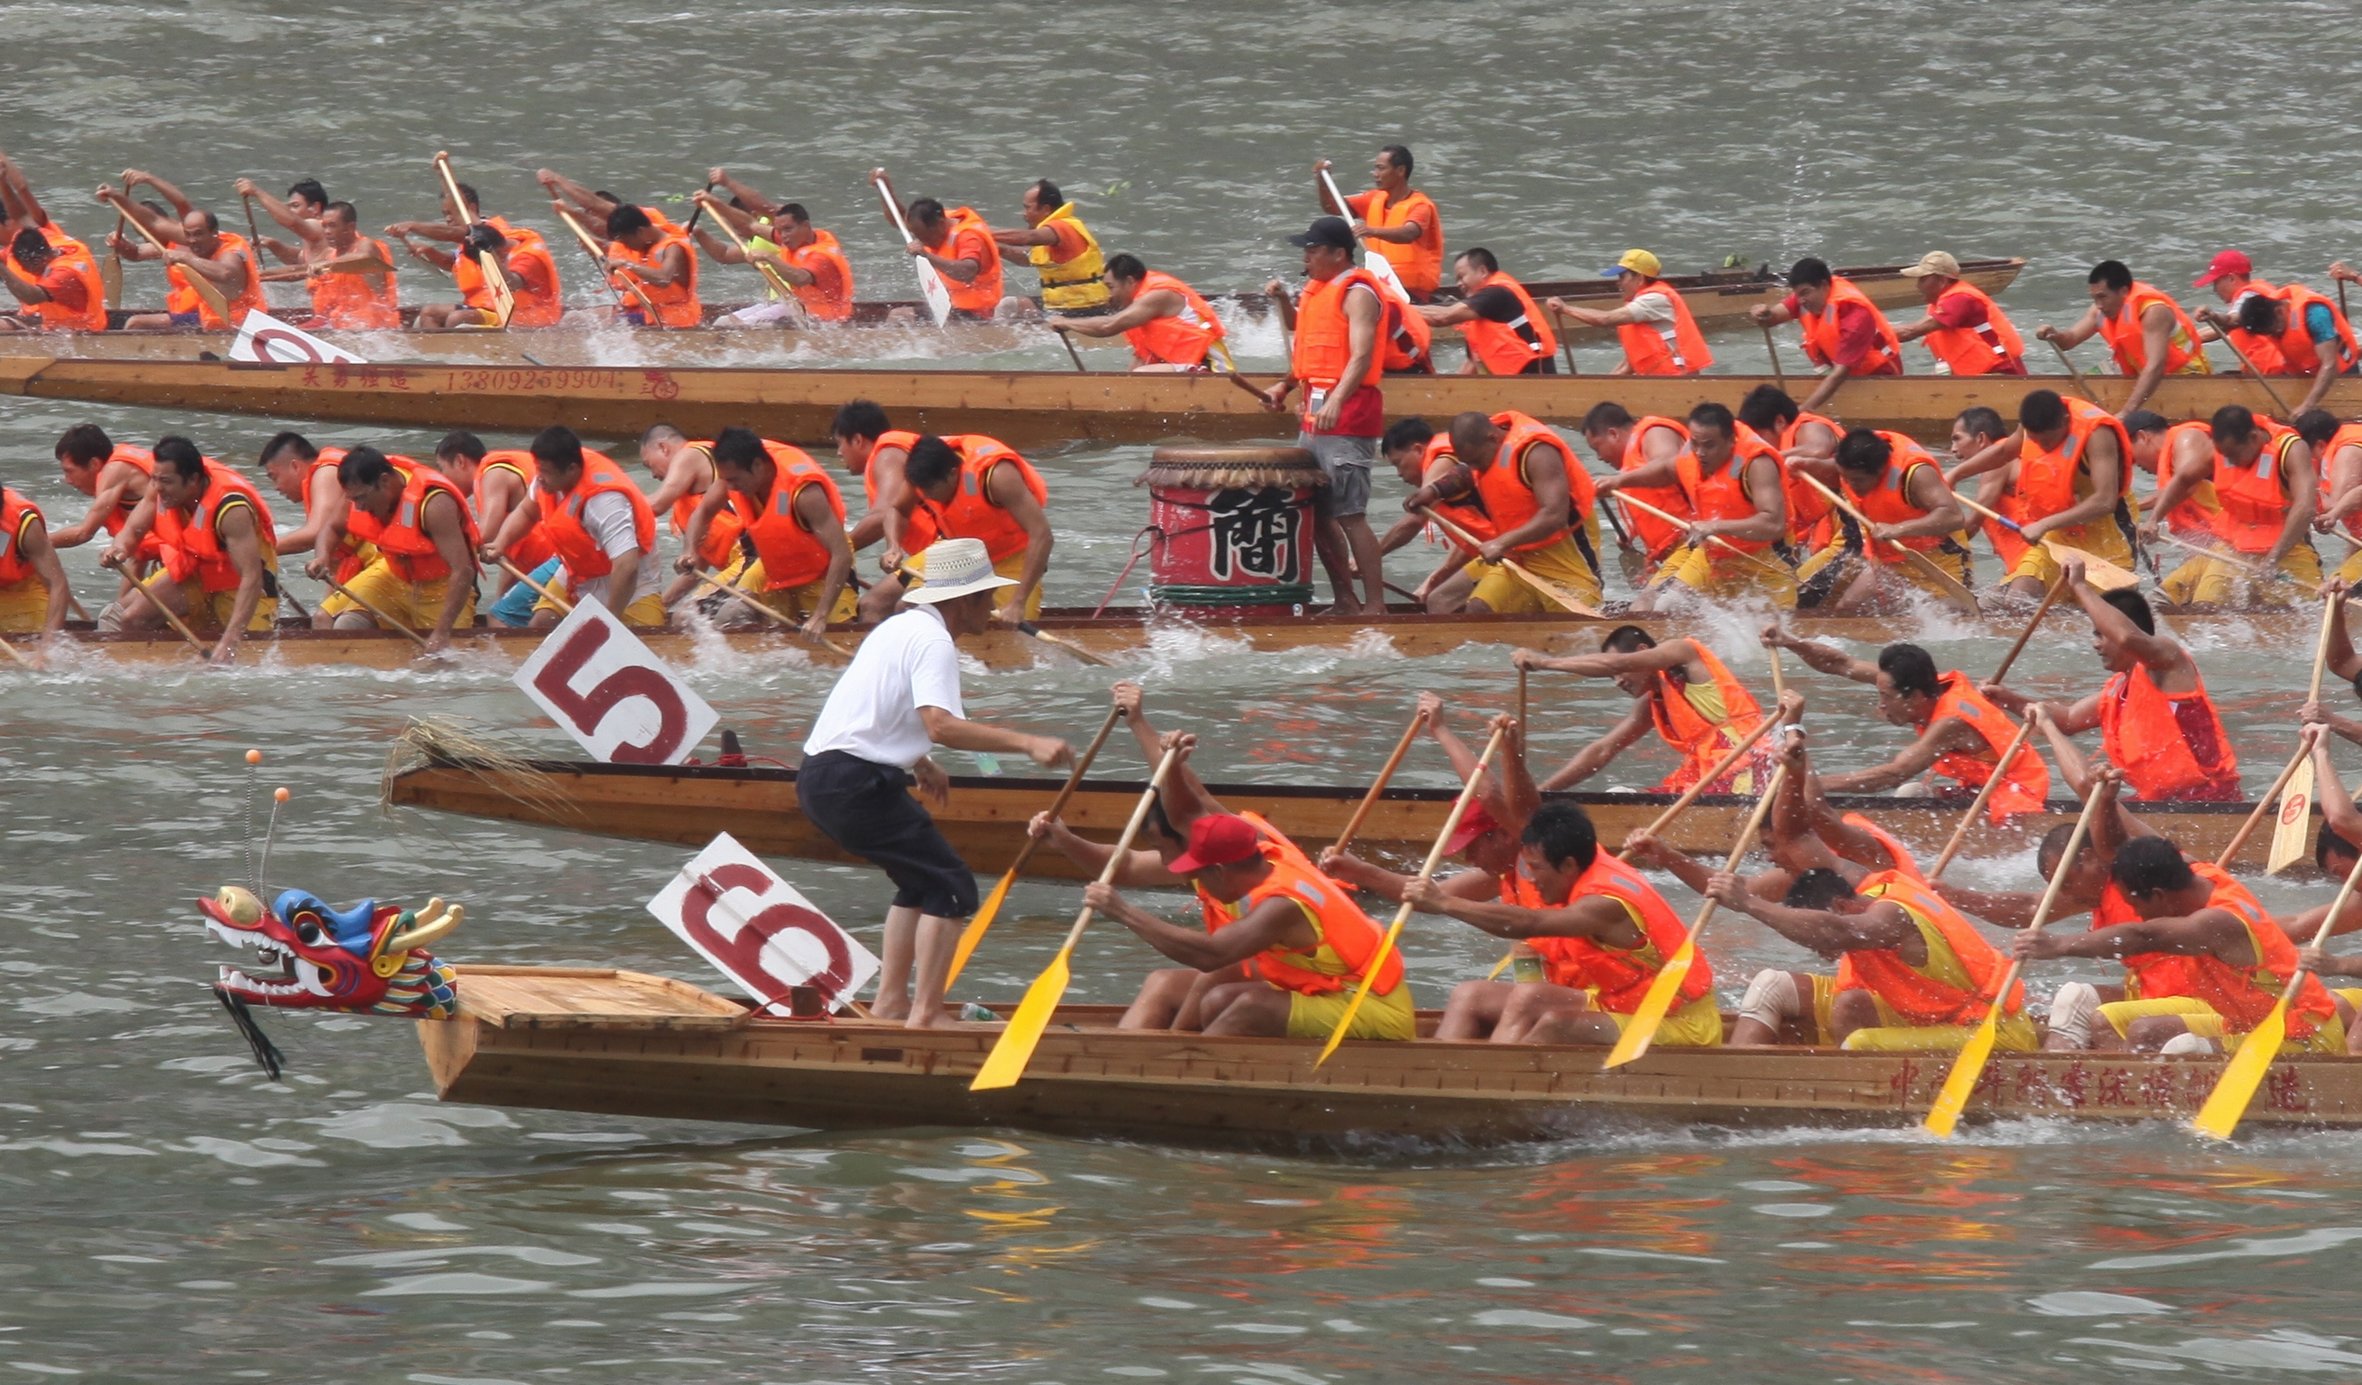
1916	996
1507	491
971	239
1181	338
193	546
721	532
918	526
18	517
1347	935
150	547
829	297
1700	743
73	263
349	561
1895	850
1406	341
676	303
1812	516
1890	502
2293	351
1654	348
1617	976
1885	356
403	541
1323	340
534	549
180	297
2122	332
2046	478
2244	996
561	518
1724	494
1988	349
972	513
2143	738
2148	974
2347	435
2254	498
537	301
1418	263
2198	512
1654	534
1507	348
1468	509
2025	780
790	554
351	302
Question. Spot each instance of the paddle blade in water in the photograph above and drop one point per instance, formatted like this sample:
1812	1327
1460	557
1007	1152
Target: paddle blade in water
1966	1069
1641	1030
2242	1075
1006	1063
974	932
2289	845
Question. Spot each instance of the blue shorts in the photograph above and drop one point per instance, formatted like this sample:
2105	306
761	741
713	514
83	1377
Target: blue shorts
187	319
515	607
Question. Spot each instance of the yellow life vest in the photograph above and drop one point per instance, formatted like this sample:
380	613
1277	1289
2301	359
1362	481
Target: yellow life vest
1078	283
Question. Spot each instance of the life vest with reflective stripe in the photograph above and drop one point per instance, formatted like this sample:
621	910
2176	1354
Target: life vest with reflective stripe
829	297
1508	492
1348	937
403	540
1890	502
2245	995
1812	516
1406	340
180	297
1701	743
792	556
1885	354
918	526
561	518
532	550
2254	498
1654	534
1323	341
73	262
971	239
1990	347
721	531
2025	780
150	547
972	513
1179	338
1723	494
193	546
354	302
2143	737
1070	285
1658	348
528	257
676	303
18	517
1924	995
1619	977
1467	509
2122	332
2048	478
2197	513
1507	348
349	557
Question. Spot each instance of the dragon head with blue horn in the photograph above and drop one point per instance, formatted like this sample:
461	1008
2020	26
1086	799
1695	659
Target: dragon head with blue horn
368	958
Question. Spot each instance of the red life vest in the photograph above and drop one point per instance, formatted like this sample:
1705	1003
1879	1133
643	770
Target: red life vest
1655	348
73	271
2143	737
1507	348
561	518
193	546
403	541
972	513
829	297
2025	780
790	554
151	548
1619	977
1917	996
2197	514
971	239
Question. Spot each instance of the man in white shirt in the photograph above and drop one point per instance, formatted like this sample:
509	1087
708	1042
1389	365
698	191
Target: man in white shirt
899	699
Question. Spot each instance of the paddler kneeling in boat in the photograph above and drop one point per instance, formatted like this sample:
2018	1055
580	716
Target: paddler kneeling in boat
1735	547
968	487
789	511
34	593
1679	689
599	524
1540	513
220	549
1900	489
1168	325
416	521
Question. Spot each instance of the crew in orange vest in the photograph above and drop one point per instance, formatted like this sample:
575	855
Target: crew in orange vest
415	519
1168	325
1505	331
659	262
498	482
973	487
34	593
811	262
57	281
1807	443
1900	489
307	475
2148	332
1736	486
960	246
1653	326
1964	328
1844	333
2180	456
2253	481
2337	464
1338	358
791	515
1679	690
2068	471
684	472
1646	454
350	276
598	522
196	245
114	476
221	562
1423	460
520	253
2292	330
1539	512
1394	219
1962	734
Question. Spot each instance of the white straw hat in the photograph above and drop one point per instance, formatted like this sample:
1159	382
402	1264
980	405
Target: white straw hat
956	567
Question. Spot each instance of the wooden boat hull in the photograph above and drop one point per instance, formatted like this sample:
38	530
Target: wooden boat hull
622	1043
1024	408
986	816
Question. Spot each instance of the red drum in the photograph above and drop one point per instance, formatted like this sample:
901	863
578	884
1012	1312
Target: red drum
1233	529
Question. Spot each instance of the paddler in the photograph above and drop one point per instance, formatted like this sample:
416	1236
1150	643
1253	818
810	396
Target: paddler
660	261
684	472
1336	359
1168	325
1653	325
114	476
350	277
220	555
1964	328
1395	219
306	200
898	699
307	475
2156	722
415	522
969	487
2148	332
1061	250
2337	465
598	522
788	511
1539	512
1844	333
461	239
34	593
194	244
2064	475
1646	454
1679	689
1735	484
1900	489
1505	332
2294	331
497	482
2180	456
2259	475
960	246
783	237
1962	734
59	291
874	450
1424	462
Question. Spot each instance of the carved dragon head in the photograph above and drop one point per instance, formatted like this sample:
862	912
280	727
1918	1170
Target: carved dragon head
369	958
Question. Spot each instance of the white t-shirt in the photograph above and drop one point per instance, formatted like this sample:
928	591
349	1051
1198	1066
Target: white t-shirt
608	518
1651	306
872	713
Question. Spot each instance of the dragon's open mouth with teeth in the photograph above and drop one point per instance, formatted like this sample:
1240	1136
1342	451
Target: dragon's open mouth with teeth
369	957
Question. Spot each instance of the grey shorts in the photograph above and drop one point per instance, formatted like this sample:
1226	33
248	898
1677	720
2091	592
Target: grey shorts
1346	462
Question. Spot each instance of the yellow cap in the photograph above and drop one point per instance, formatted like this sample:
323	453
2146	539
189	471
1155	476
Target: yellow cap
1639	262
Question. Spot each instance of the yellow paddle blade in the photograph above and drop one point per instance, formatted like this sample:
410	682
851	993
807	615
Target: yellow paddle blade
1362	991
1006	1063
2296	813
1641	1030
974	932
2242	1075
1966	1069
1502	965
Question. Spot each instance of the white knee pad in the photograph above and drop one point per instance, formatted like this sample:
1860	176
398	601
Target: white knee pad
1771	999
2072	1011
110	620
2187	1043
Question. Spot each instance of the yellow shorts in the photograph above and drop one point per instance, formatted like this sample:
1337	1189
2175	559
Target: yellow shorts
24	607
1011	567
2350	570
2100	538
1505	593
795	603
415	604
1718	573
2202	1020
647	610
1695	1025
1894	1034
2211	582
1849	565
209	612
1390	1016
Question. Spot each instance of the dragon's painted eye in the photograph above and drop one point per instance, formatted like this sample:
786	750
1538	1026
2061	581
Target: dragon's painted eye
307	930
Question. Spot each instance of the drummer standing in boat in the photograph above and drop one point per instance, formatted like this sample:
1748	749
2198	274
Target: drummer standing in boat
898	699
1335	359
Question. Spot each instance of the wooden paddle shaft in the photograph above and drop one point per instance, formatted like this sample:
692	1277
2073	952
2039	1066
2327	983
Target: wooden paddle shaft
2252	569
375	612
2321	648
1911	555
590	247
2050	891
198	284
564	606
2263	805
495	273
2279	405
1721	767
1740	848
2099	568
768	614
23	659
1773	347
1679	523
2049	599
1123	844
1067	340
1369	800
784	288
169	614
1555	591
1074	779
2082	385
1984	794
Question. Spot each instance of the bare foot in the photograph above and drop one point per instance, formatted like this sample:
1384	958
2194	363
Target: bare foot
933	1017
890	1007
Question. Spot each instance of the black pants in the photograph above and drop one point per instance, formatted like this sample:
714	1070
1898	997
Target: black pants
867	809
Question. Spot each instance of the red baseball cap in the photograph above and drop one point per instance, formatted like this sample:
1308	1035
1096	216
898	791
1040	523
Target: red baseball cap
2226	263
1473	824
1217	839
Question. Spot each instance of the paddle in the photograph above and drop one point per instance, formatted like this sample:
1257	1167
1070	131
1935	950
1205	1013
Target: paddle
1451	824
565	607
1067	340
1014	1049
1774	348
1944	582
2296	802
2245	1072
1952	1098
974	932
1641	1030
2101	573
1629	557
1984	793
110	274
2049	599
504	299
778	281
931	286
590	247
795	627
23	659
1647	509
1370	800
2241	564
2082	385
169	614
2279	405
198	284
2304	754
375	612
1373	259
1061	642
253	232
1555	591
